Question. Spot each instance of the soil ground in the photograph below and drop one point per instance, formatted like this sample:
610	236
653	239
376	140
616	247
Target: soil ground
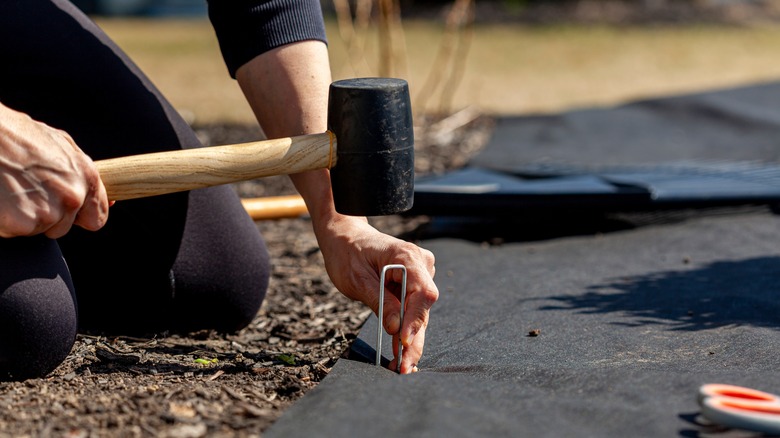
205	384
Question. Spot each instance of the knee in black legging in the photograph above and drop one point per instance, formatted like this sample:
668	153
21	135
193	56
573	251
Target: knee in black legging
38	319
222	271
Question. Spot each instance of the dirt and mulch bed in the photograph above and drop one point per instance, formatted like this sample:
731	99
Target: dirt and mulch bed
207	384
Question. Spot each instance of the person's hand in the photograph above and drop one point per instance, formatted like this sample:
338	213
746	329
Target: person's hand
355	254
47	184
287	88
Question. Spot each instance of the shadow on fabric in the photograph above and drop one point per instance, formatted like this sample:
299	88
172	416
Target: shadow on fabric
730	293
539	227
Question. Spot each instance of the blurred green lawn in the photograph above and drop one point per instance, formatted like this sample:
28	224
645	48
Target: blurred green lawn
509	68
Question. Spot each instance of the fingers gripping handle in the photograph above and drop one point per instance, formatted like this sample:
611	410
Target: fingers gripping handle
159	173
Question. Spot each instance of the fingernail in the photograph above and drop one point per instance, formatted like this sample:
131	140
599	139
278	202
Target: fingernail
415	369
393	323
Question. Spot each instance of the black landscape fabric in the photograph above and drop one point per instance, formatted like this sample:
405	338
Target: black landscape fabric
738	124
589	335
695	151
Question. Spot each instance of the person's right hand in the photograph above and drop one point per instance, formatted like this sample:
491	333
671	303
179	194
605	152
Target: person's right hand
47	184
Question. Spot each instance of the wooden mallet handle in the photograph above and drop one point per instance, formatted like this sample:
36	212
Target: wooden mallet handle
370	117
139	176
275	207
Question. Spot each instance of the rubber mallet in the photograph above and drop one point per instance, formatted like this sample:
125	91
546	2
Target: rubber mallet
369	147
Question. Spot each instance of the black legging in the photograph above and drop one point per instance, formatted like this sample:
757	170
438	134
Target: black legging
177	262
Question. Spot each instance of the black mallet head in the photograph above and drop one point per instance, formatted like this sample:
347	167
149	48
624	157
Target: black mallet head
371	119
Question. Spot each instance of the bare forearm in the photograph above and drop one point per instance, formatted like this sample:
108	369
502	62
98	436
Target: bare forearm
287	89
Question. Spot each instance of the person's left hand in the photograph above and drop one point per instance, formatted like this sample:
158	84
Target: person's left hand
287	88
355	253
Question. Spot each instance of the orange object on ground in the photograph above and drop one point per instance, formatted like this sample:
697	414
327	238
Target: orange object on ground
740	407
275	207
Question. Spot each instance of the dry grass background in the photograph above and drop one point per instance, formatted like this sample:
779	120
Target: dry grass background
508	68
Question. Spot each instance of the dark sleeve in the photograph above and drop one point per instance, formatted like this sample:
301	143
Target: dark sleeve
247	28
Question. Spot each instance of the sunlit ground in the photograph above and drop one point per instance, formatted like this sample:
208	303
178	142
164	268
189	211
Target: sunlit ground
506	69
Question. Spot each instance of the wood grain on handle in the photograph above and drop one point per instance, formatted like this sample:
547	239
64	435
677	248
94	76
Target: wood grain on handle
159	173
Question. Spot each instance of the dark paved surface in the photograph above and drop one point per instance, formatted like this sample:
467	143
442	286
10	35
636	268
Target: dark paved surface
631	322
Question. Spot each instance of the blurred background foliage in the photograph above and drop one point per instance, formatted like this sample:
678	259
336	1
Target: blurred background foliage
523	10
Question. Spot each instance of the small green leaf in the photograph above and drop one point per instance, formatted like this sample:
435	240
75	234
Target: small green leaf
205	362
287	358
